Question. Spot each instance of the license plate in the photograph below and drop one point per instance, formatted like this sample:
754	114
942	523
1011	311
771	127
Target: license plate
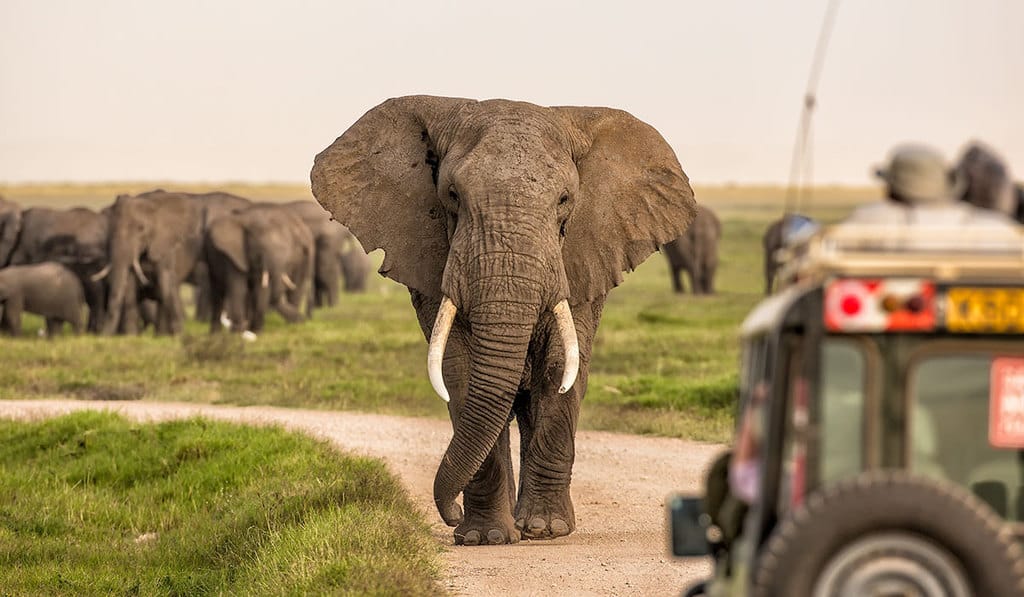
985	310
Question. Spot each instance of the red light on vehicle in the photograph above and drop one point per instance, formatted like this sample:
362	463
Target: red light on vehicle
850	305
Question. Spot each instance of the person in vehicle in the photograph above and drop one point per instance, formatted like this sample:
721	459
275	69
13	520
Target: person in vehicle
920	189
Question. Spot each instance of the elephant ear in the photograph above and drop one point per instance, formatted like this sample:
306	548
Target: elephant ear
379	179
634	197
227	236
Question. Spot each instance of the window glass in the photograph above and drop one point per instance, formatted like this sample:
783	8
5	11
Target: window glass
841	409
949	437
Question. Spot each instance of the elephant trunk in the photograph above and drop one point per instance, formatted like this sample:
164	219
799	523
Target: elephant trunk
501	332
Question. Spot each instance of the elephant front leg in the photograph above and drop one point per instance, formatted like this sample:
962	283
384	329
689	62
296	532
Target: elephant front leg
547	424
487	501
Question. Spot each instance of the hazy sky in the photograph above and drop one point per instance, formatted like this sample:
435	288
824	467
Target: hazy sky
252	90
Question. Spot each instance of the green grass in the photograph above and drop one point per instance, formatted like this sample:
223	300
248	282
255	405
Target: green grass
92	504
663	363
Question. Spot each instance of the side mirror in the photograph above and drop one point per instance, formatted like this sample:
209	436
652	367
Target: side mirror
689	526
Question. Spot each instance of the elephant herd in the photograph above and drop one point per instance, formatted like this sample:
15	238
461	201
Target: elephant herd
128	261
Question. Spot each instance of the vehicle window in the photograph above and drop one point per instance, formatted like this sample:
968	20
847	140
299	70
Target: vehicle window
842	409
949	431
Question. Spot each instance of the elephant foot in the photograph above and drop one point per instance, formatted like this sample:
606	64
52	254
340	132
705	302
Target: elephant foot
480	530
545	520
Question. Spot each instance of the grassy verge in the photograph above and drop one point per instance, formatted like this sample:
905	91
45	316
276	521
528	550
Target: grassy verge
663	363
91	504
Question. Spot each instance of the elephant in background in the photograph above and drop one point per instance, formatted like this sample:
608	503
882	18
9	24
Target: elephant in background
355	264
509	223
10	228
48	289
696	253
76	238
775	238
984	181
158	232
259	257
338	254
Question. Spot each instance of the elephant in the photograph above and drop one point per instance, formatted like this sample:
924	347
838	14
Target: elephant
338	254
76	238
776	236
48	289
509	223
696	252
984	181
10	228
258	257
160	232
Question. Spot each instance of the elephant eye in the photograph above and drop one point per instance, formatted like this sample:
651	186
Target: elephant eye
452	194
563	199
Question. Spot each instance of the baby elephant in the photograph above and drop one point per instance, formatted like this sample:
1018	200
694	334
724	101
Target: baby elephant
696	251
48	289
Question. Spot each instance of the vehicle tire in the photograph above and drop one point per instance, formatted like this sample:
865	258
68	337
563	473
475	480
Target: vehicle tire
888	532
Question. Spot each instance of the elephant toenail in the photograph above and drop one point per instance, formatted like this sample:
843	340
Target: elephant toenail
495	537
521	524
537	525
472	538
559	528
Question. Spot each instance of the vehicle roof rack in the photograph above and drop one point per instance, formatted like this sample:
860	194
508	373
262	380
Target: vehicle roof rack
975	253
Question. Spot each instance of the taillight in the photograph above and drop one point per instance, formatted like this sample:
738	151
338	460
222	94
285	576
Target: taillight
880	305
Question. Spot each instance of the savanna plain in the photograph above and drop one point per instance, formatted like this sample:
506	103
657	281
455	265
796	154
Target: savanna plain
664	364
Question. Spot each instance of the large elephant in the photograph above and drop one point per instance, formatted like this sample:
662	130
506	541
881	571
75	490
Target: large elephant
259	257
338	254
984	181
696	253
48	289
159	233
10	228
76	238
509	222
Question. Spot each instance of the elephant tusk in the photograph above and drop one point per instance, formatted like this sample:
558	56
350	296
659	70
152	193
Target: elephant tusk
288	282
438	341
567	330
100	274
138	272
265	280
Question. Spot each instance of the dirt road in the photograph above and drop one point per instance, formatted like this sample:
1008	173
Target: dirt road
619	487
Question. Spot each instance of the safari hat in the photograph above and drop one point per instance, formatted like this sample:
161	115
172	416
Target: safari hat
918	174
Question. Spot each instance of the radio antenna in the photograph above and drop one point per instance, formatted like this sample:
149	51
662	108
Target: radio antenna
801	166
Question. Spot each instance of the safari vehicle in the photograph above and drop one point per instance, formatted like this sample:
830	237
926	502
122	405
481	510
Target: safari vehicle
882	408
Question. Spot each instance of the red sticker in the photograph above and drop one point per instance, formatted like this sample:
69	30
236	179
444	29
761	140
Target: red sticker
1006	403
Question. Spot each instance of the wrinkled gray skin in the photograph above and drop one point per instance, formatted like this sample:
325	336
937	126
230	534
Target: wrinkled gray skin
338	254
162	232
76	238
252	255
985	181
696	253
10	227
47	289
506	208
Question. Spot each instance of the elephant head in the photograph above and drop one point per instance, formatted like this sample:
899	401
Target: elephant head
501	212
